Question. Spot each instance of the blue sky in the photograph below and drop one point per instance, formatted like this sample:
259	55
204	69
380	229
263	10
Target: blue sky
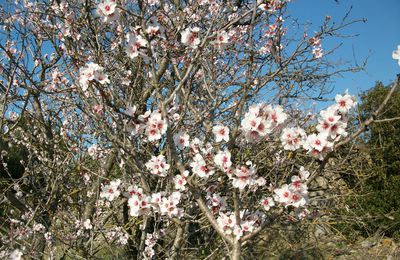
376	40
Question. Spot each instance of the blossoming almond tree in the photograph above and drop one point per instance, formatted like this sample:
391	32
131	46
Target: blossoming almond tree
153	125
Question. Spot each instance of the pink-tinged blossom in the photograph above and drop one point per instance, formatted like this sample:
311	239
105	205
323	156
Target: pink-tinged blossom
110	192
227	222
92	72
180	181
207	150
396	54
271	6
221	133
216	203
298	200
139	206
261	120
272	30
154	28
316	47
223	160
298	184
222	39
16	255
275	115
135	45
118	235
317	52
190	37
157	165
293	138
94	151
268	203
237	232
254	127
315	41
195	145
108	11
87	224
267	48
39	228
295	194
246	226
156	200
169	205
317	142
318	145
181	140
150	242
283	194
345	102
330	123
134	190
156	126
200	168
244	176
304	174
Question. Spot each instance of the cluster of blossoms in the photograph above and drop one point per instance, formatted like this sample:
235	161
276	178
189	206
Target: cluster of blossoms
82	226
118	235
142	204
156	126
152	124
316	47
258	122
150	242
261	120
271	6
15	254
293	138
201	167
92	72
111	191
168	205
216	203
204	164
246	176
294	194
223	161
249	222
331	127
273	28
158	166
135	45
